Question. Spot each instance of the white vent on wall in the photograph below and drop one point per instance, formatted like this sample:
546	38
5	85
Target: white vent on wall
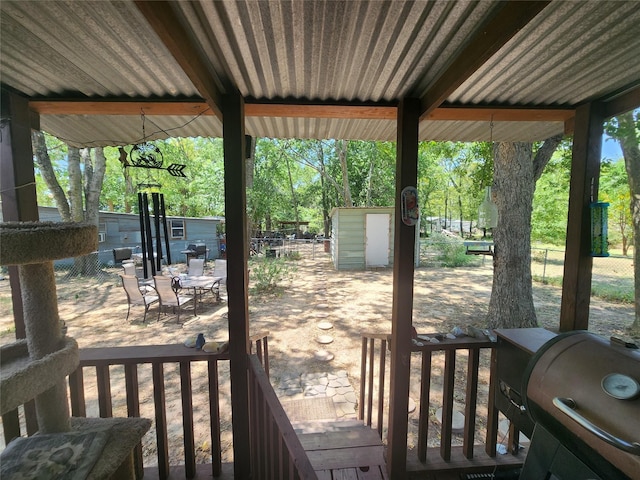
102	237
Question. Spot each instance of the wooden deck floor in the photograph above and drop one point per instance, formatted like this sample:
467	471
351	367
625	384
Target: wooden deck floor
345	452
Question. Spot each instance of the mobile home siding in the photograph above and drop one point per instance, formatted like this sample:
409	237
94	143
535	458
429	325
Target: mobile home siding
122	230
348	240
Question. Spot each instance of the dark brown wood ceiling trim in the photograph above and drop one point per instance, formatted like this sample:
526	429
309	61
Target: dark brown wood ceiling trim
162	19
488	39
118	107
622	104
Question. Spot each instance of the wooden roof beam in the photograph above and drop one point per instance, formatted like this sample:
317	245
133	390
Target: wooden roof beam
488	39
367	112
162	19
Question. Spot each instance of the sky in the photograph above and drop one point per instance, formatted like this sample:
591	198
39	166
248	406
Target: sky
610	148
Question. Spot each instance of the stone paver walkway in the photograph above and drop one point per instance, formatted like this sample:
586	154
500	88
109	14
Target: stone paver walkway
333	385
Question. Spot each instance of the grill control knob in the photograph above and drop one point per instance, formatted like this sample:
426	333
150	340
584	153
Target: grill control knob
622	387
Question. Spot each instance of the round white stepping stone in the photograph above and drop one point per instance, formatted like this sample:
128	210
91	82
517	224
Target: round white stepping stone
322	305
412	406
457	420
323	356
321	314
325	325
324	339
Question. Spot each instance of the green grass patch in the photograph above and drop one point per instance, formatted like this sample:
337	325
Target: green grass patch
617	292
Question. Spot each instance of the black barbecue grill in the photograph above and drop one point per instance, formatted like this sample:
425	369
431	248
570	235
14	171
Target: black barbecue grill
195	250
580	395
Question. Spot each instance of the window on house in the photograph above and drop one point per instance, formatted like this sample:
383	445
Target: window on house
102	232
177	228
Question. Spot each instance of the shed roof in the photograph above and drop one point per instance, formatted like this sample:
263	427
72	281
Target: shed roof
523	66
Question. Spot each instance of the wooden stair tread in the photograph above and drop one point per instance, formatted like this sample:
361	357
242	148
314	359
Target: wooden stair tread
346	448
320	426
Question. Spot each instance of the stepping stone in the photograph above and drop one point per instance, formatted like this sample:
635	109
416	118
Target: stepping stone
457	420
323	356
321	314
412	406
324	339
325	325
322	306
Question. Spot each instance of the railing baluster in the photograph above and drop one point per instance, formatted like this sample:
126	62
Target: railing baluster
11	425
363	373
133	410
103	380
471	402
370	398
425	390
265	360
161	420
76	393
383	354
447	404
31	417
492	411
214	416
187	420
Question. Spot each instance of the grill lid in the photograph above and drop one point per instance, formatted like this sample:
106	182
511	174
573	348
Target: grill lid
584	390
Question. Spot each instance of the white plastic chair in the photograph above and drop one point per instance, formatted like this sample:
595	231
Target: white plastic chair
196	267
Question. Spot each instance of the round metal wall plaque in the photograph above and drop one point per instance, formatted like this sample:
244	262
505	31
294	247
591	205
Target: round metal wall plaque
622	387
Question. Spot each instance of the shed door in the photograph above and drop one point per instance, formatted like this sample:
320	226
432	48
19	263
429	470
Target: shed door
377	238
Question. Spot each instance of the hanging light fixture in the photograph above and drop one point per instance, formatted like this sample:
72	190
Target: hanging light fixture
488	210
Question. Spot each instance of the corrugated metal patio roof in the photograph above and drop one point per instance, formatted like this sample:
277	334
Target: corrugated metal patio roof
485	56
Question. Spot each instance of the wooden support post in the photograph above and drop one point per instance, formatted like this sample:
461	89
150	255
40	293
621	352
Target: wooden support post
585	174
17	181
18	196
403	265
237	280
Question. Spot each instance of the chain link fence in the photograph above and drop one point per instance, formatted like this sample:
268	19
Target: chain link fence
612	277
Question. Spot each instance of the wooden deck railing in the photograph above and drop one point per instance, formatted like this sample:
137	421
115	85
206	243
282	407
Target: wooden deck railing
101	361
446	456
276	451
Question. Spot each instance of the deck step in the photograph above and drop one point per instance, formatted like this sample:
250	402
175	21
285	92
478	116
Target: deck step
343	449
323	426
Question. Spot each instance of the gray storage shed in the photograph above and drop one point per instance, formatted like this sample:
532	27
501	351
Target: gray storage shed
362	237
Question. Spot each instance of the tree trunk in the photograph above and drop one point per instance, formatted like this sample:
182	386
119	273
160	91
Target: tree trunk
511	303
631	151
43	161
74	195
342	153
514	177
129	191
94	171
326	220
294	199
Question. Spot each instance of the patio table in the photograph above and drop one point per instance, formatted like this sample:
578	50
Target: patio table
199	284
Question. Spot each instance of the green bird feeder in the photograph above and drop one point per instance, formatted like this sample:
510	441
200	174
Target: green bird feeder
599	240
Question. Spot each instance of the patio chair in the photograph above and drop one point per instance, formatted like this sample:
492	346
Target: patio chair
129	269
196	267
219	270
135	296
170	297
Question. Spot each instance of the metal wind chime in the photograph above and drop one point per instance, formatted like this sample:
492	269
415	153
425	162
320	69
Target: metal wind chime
151	206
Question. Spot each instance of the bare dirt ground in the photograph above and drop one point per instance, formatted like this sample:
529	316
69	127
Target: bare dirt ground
353	301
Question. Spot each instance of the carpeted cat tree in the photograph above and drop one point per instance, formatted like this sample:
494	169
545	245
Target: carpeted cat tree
36	368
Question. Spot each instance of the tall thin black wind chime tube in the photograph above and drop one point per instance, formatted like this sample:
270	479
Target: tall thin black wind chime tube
142	235
156	218
147	229
166	229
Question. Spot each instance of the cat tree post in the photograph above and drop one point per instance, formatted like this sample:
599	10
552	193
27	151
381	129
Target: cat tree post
33	246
